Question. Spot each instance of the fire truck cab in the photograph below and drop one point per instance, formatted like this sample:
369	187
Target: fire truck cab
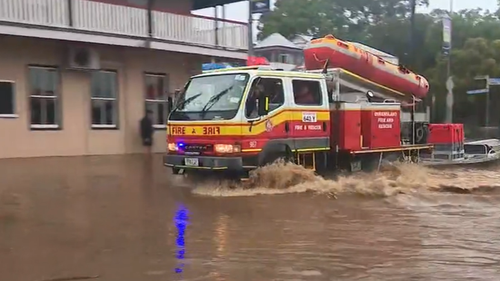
236	120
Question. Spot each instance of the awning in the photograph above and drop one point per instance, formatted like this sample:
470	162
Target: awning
201	4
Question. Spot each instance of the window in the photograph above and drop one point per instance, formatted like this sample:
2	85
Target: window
284	58
7	99
271	87
44	100
157	98
299	60
104	101
307	92
211	96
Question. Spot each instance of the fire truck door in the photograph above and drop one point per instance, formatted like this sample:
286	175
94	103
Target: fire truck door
274	126
310	130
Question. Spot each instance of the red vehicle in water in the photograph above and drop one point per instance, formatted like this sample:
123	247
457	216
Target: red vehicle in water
235	120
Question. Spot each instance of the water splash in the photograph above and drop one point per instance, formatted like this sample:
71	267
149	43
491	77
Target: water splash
391	180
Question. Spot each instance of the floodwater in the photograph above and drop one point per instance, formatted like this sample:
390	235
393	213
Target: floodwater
126	218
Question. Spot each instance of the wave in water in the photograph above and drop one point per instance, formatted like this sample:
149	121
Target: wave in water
283	178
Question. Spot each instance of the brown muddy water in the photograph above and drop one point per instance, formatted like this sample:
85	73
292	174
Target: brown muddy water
126	218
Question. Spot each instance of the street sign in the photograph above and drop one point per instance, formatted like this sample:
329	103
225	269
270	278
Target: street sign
476	92
260	6
494	81
446	35
450	84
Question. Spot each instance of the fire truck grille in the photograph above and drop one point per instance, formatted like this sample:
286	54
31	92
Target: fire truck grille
197	148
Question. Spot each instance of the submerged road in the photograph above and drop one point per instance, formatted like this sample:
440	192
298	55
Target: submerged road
125	218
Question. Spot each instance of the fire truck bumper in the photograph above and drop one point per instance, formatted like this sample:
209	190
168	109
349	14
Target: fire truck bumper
203	163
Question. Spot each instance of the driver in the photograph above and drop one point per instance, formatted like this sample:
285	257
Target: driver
251	104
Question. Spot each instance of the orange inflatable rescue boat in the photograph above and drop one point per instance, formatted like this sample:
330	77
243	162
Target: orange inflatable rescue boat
341	54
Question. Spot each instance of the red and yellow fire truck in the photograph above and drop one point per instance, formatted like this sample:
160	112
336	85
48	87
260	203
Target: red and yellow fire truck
329	119
236	120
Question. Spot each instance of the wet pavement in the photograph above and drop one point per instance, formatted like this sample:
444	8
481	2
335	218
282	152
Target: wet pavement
126	218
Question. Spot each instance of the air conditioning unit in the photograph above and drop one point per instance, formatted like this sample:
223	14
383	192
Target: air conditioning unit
83	58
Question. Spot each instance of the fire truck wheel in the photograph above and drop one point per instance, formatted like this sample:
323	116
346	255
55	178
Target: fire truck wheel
273	157
274	153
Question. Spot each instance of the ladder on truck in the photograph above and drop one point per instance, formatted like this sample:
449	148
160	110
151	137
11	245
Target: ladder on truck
347	83
350	87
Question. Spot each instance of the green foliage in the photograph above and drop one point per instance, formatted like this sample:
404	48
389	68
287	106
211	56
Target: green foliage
385	25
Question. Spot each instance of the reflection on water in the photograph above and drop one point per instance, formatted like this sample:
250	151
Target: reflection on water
181	221
77	217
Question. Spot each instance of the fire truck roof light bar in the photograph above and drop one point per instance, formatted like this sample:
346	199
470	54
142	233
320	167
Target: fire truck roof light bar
243	68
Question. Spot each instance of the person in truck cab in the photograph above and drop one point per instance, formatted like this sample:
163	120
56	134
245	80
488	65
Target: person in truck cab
304	96
251	108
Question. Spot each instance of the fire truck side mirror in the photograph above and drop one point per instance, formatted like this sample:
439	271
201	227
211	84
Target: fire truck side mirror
178	93
263	106
170	104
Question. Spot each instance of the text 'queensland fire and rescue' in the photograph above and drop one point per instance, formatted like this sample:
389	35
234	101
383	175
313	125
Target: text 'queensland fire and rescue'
385	119
193	131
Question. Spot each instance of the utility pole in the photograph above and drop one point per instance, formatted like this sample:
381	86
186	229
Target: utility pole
411	48
487	119
447	28
448	66
250	28
486	79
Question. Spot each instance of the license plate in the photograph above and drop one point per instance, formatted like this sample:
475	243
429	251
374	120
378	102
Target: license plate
191	162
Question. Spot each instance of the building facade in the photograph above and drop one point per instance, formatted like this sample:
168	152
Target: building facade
280	52
76	76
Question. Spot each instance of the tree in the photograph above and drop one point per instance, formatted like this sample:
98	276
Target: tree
345	18
306	17
474	52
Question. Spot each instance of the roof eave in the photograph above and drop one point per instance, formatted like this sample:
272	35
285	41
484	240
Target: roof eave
202	4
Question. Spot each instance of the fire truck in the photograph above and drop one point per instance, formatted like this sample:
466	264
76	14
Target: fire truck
232	121
343	113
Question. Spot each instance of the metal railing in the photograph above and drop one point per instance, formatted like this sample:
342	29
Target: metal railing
108	18
93	16
38	12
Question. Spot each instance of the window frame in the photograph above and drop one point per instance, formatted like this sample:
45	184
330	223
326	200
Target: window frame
116	101
56	97
251	84
14	113
166	87
321	102
286	58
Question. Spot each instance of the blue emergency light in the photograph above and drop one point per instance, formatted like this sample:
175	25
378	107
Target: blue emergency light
214	66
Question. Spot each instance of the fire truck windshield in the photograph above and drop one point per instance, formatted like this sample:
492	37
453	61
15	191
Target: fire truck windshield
216	96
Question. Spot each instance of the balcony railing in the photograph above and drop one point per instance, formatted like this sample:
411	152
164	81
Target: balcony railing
92	16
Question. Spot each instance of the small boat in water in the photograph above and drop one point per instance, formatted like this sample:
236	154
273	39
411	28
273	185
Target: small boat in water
476	153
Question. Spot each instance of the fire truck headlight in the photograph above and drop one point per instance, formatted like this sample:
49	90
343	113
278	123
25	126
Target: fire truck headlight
172	146
227	148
